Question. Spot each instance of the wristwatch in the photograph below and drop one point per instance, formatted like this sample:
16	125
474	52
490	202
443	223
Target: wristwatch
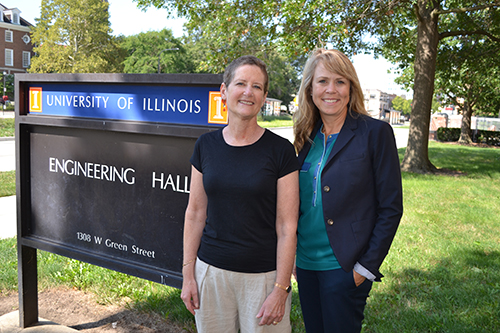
287	289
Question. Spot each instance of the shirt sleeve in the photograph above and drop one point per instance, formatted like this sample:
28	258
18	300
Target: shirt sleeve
289	160
196	157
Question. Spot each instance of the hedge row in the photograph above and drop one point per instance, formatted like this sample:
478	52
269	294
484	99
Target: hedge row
491	138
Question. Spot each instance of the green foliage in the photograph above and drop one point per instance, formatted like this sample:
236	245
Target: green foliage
491	138
7	183
273	121
402	104
9	84
8	265
212	57
144	49
284	79
468	73
7	128
447	134
74	36
435	105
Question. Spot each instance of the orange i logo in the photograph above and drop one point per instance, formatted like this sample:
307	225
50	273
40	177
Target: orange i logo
217	110
35	99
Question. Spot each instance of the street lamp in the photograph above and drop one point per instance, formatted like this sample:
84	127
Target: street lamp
173	49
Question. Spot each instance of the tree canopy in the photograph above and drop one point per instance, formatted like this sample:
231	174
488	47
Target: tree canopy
401	104
406	32
145	49
467	76
74	36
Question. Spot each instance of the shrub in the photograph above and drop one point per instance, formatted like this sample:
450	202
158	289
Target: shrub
448	134
491	138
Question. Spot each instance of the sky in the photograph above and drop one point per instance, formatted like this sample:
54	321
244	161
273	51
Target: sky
126	19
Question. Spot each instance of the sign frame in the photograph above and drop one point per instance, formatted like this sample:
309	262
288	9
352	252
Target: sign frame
28	124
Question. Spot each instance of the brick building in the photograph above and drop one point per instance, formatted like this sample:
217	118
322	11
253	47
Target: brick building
16	48
379	106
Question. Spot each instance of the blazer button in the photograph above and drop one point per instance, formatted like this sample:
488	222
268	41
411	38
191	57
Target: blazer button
326	188
329	221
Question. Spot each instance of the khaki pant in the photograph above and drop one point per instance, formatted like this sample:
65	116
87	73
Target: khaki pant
230	301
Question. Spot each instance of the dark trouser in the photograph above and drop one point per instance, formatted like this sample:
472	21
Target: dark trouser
331	302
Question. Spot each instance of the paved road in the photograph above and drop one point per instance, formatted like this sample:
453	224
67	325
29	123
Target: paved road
8	222
7	155
401	135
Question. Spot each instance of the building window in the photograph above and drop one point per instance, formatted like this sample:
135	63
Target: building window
8	36
13	15
9	57
26	59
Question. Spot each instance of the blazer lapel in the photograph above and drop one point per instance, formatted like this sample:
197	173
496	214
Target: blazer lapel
345	135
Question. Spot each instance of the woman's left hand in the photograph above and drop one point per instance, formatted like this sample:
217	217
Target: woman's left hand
273	309
358	278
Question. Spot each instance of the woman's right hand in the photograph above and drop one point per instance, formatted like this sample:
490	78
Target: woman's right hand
189	295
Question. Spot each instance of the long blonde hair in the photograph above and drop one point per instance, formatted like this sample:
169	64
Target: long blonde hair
308	114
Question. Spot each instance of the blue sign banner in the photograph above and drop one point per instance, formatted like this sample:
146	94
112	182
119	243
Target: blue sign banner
166	104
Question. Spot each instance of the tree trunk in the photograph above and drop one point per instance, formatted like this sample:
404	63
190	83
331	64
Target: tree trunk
465	132
416	158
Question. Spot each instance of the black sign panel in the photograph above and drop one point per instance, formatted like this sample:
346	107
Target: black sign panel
118	195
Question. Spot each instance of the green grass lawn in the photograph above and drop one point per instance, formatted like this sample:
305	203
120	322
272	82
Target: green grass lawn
7	127
7	183
442	273
273	121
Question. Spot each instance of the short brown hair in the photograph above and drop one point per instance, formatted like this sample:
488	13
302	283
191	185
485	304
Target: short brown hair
246	60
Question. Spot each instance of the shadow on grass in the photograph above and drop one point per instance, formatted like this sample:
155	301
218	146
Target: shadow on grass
461	293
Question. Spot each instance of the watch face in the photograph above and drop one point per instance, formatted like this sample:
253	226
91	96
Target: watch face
288	289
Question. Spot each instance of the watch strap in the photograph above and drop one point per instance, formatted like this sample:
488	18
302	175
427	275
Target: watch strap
287	289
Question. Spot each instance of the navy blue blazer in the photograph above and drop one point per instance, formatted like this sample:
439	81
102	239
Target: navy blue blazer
362	192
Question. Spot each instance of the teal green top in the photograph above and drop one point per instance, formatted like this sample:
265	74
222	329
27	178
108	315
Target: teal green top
313	246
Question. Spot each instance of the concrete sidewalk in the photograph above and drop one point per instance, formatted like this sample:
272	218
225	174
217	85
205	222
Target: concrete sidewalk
8	221
9	323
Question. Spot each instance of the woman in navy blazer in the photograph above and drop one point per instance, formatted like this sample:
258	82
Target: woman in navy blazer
350	192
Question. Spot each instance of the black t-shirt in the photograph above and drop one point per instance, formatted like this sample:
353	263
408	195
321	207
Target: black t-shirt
241	187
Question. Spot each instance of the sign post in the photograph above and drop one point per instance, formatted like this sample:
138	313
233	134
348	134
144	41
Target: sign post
103	170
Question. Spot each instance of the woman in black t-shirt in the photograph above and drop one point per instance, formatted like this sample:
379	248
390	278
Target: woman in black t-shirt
241	220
